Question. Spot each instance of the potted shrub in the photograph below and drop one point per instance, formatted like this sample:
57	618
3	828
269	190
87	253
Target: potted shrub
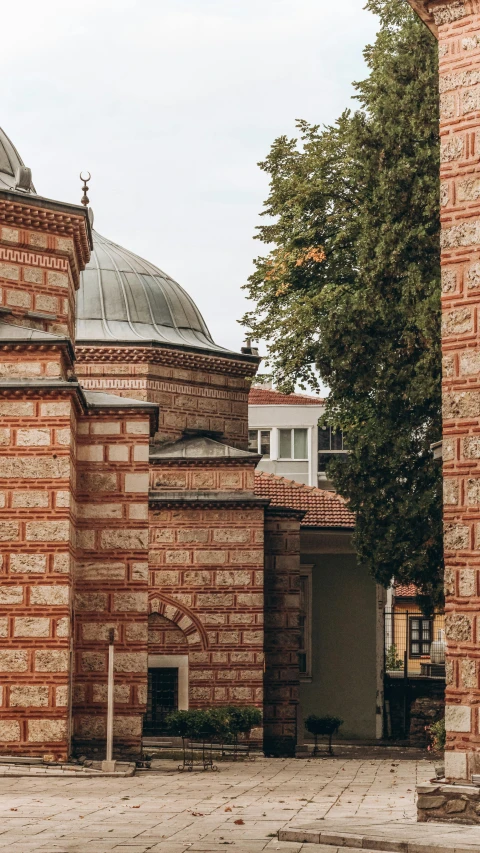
323	726
202	726
242	719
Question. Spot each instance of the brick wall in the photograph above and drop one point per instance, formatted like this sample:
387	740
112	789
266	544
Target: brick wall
282	638
194	392
206	568
24	361
165	637
37	534
38	277
111	577
459	51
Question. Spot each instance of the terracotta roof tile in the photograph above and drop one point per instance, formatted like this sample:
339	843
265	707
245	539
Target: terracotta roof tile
323	508
269	397
405	590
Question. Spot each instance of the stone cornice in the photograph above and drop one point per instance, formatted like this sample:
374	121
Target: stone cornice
440	12
421	7
205	462
159	353
206	499
285	512
38	346
21	388
39	214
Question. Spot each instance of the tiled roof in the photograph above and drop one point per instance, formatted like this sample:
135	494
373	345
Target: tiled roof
405	590
323	508
268	397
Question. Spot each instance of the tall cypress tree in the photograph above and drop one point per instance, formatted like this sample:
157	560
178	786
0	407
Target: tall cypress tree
351	288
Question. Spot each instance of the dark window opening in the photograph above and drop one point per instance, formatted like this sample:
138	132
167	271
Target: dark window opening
162	699
420	631
331	445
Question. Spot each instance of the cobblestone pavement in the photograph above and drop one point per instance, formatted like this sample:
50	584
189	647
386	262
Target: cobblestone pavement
241	807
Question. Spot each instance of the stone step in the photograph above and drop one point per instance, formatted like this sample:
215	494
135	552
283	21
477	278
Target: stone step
393	837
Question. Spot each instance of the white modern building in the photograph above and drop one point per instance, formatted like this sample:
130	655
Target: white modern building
284	429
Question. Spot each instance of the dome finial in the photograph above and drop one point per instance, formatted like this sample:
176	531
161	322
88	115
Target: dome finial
85	198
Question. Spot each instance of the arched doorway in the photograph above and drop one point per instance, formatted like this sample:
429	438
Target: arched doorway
167	673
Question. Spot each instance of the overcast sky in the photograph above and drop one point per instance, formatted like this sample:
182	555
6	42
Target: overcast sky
170	104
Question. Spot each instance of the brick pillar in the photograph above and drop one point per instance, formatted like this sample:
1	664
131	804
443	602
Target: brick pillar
37	534
282	607
111	589
457	26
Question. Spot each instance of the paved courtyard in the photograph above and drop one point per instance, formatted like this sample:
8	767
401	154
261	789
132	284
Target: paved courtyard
241	807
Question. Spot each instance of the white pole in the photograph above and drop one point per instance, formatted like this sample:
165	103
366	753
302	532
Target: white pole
109	764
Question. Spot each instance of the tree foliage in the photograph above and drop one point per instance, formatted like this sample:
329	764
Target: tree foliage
350	288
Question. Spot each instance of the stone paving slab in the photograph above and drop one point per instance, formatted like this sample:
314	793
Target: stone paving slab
387	837
239	809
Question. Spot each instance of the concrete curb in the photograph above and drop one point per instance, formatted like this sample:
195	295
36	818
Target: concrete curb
374	842
31	771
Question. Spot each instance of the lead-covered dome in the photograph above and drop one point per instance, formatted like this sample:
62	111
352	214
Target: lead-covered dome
10	162
126	299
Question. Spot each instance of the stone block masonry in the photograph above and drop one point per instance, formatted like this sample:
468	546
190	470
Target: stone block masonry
206	577
39	273
194	391
38	537
111	588
459	72
282	633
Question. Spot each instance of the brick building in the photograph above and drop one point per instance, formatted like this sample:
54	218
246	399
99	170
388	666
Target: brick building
129	501
127	496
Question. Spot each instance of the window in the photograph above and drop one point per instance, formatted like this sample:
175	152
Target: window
331	444
305	623
259	441
420	631
293	444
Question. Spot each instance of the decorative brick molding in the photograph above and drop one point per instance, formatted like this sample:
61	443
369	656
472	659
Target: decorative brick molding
190	625
38	223
37	284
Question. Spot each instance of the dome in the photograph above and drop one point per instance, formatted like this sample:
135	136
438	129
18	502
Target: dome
10	161
126	299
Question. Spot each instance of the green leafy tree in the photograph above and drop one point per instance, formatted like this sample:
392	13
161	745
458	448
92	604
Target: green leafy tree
350	288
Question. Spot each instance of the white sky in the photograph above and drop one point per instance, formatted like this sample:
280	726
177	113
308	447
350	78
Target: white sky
170	104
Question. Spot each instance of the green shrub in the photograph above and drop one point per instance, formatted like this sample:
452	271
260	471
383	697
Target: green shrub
224	723
437	736
323	726
243	718
392	661
216	723
185	724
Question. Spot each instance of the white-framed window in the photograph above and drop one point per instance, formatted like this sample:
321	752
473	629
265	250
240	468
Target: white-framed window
331	444
293	443
305	624
259	441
